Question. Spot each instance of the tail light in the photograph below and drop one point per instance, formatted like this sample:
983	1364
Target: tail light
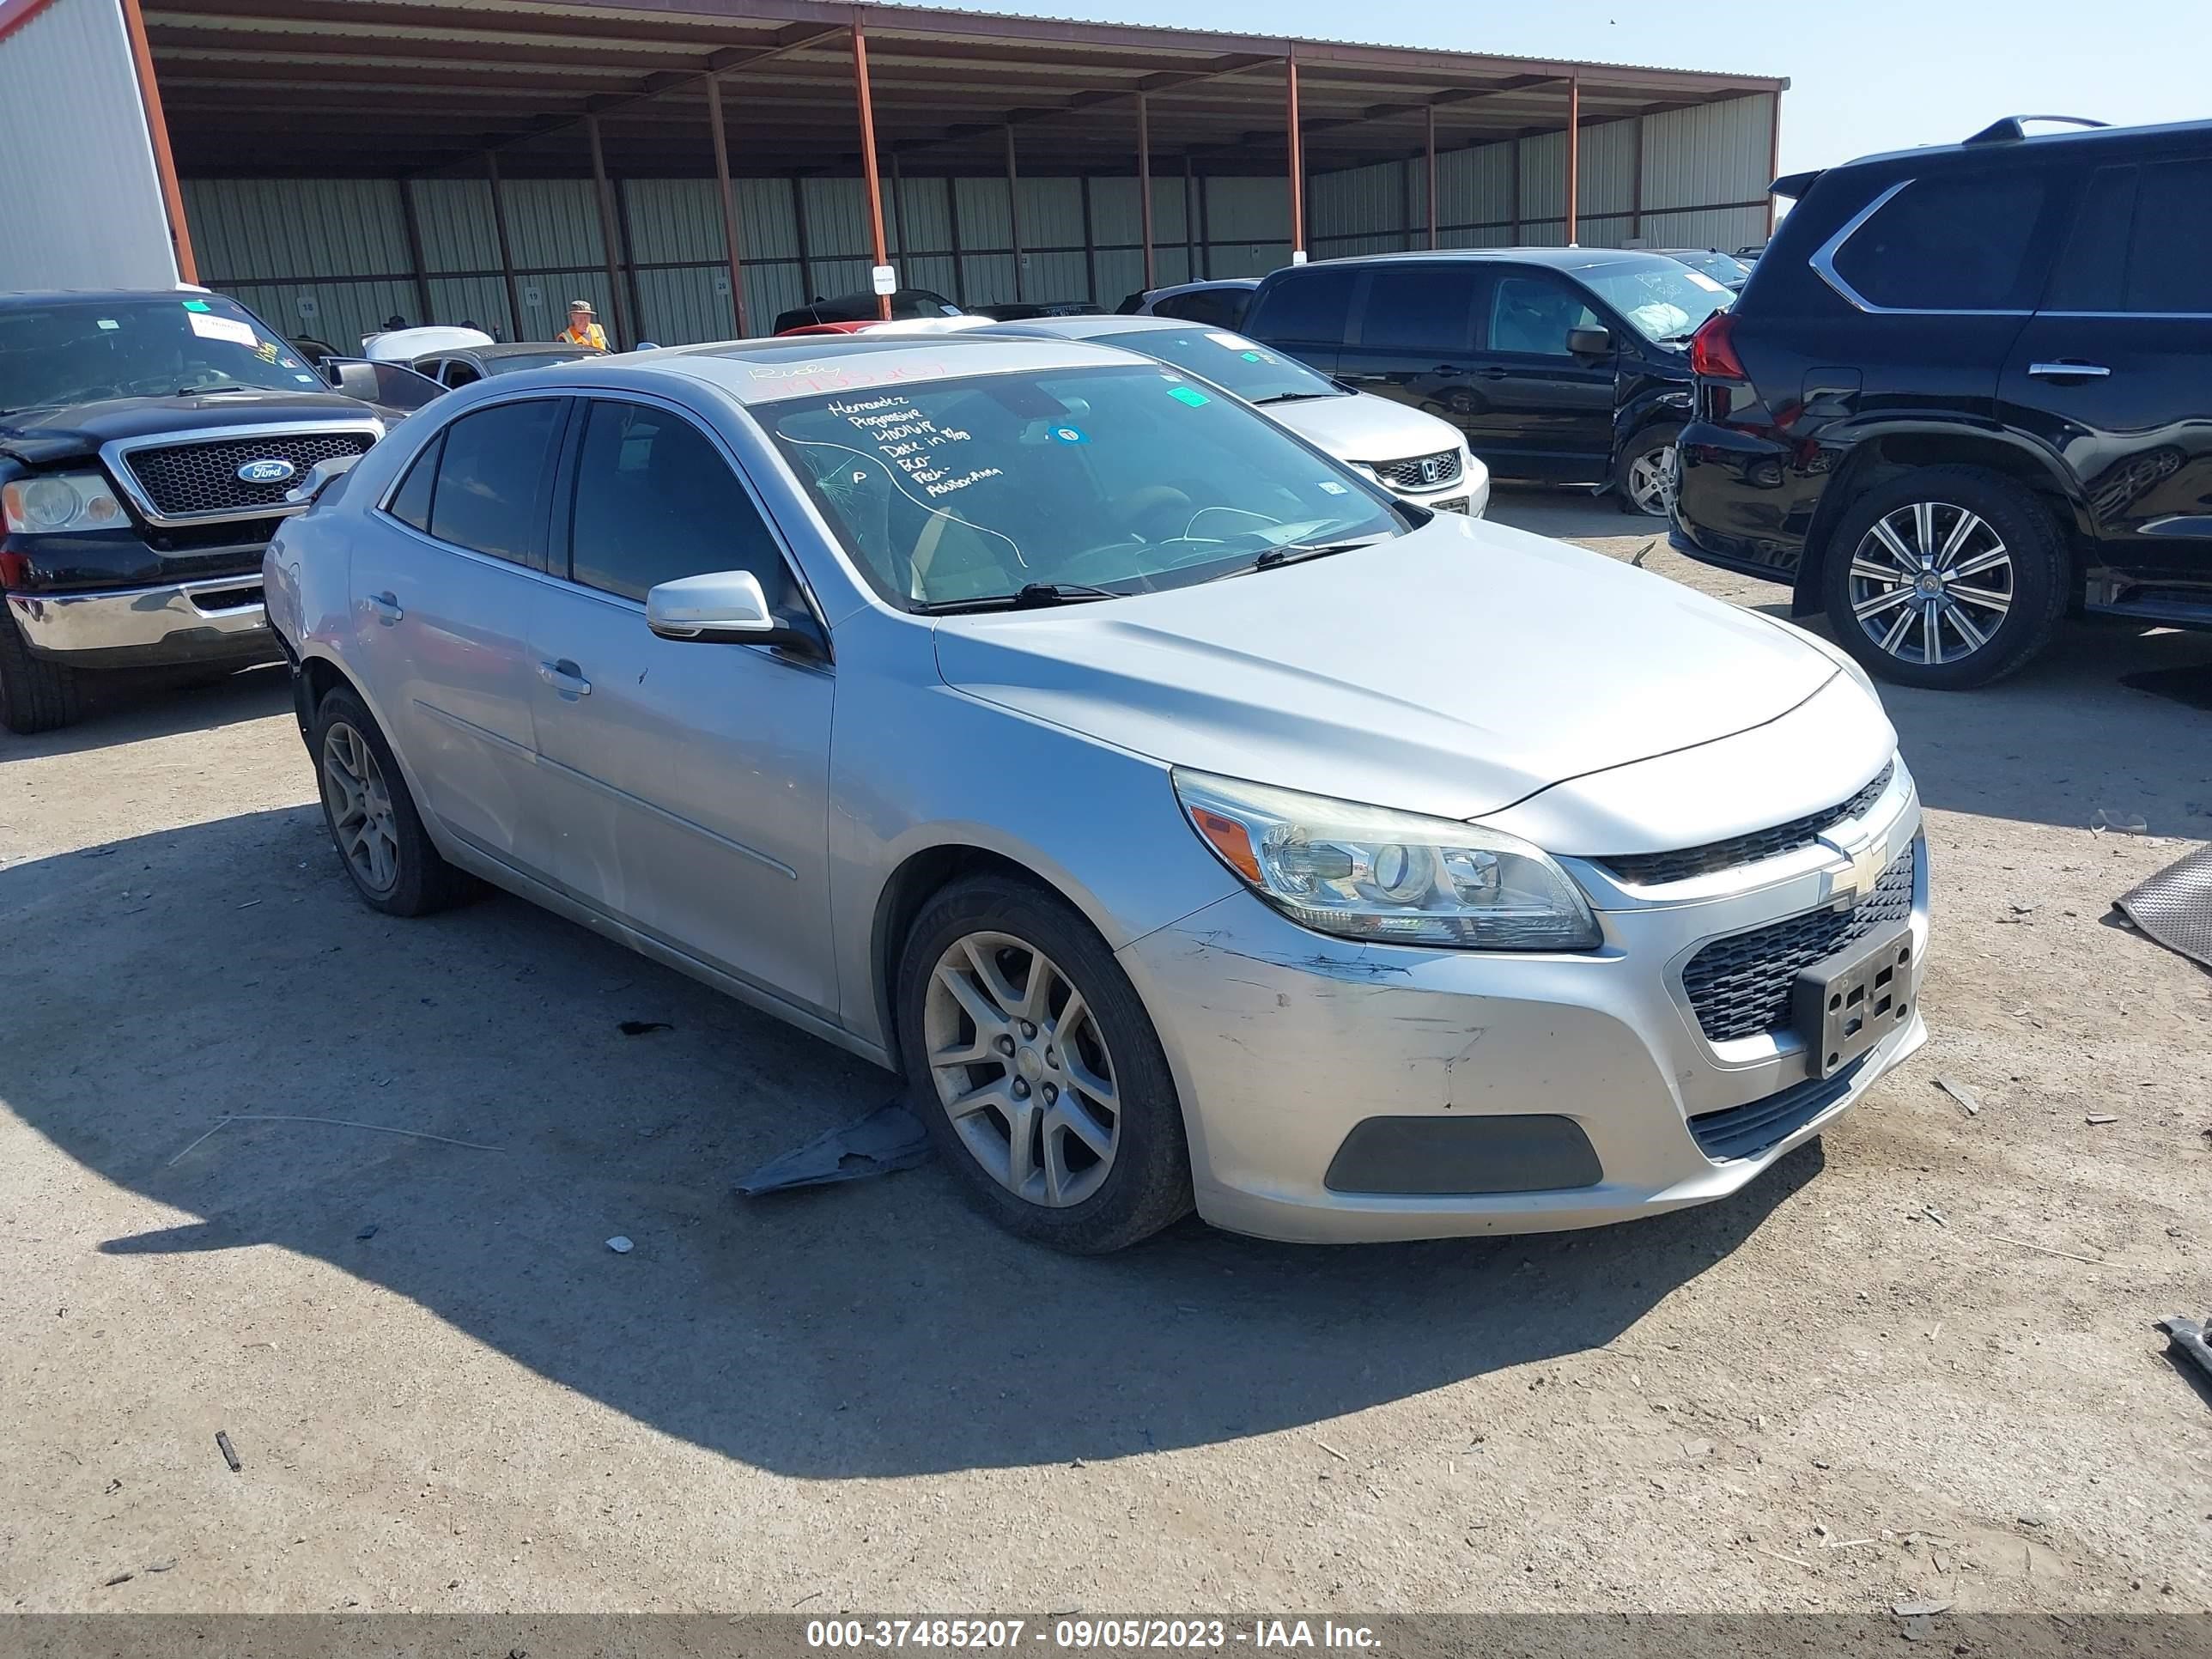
1712	349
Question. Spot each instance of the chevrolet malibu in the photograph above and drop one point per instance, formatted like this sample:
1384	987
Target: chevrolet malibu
1194	823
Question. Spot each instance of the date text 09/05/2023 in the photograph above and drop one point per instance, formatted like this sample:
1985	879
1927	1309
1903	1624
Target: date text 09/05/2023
1085	1635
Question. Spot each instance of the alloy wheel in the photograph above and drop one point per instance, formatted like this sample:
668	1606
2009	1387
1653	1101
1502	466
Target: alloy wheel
1022	1068
1931	582
359	806
1651	481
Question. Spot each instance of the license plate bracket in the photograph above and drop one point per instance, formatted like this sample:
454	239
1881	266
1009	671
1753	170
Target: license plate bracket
1845	1003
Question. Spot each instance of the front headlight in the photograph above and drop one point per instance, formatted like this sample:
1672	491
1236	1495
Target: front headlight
1367	872
60	502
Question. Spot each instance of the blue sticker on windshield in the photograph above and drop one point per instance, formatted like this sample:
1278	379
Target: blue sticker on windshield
1251	356
196	305
305	380
1191	395
1071	434
1332	488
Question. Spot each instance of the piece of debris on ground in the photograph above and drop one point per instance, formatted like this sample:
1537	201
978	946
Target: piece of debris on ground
888	1139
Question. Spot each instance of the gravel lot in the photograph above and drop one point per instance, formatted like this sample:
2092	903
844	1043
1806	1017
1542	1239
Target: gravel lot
1914	1359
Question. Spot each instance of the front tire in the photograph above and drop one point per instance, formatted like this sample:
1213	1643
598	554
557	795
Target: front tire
1037	1071
36	694
1948	578
388	855
1644	476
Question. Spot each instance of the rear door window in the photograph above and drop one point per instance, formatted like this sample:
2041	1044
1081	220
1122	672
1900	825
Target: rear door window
1217	307
2142	243
1420	308
492	479
1311	307
1962	243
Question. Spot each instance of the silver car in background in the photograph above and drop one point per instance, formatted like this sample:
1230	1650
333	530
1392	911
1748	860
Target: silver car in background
1193	823
1408	451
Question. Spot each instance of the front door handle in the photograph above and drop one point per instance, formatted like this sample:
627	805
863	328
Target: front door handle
2069	371
1492	373
565	678
387	608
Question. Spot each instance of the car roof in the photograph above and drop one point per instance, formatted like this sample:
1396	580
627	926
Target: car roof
770	370
1192	288
1555	258
94	295
513	349
1992	148
1097	323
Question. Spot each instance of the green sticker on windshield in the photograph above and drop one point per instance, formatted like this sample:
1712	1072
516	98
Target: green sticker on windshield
197	304
1191	395
1249	356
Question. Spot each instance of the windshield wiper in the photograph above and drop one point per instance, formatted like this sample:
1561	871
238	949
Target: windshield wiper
1032	596
1297	553
210	391
1293	398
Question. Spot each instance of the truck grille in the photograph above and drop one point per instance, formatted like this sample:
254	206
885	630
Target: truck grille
1652	869
200	480
1740	986
1421	472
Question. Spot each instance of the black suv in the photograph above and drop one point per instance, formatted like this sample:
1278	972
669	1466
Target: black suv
1966	389
1564	365
149	443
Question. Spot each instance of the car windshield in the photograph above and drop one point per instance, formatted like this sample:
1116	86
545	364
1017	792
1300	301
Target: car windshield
1720	267
1663	300
1117	480
77	352
1246	367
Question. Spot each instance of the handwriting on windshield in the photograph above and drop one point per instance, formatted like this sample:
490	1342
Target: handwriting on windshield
913	443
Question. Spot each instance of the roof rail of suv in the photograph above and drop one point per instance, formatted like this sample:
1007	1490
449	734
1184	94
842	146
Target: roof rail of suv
2012	129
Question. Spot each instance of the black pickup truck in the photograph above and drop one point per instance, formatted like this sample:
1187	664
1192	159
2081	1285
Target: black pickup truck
150	442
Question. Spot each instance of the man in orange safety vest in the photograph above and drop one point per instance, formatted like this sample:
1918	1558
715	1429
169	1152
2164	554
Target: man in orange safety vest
581	330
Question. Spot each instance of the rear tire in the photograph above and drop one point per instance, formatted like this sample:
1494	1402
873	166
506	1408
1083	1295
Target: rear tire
1948	578
1071	1134
388	855
36	694
1644	476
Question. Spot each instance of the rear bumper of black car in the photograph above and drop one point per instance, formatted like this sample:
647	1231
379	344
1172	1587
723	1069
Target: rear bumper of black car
1744	500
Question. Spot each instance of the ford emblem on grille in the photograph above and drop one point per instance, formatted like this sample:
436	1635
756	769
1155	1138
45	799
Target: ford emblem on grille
269	470
1432	469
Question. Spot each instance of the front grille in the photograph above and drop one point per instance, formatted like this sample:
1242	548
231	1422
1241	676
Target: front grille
1651	869
194	480
1421	472
1740	986
1747	1131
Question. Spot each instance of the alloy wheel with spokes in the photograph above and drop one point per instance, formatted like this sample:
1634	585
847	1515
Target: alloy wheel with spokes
1931	582
1022	1069
362	822
1650	482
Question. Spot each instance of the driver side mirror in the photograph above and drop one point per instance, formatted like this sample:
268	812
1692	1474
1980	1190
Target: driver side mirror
318	478
1589	342
728	607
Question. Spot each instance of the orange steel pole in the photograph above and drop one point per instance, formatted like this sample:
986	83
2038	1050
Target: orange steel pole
1297	153
1574	150
868	158
728	194
157	129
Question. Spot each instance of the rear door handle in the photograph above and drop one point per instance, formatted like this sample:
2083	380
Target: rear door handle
1494	373
2069	371
387	608
565	678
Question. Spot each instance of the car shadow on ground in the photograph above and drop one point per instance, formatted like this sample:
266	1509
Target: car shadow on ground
154	985
122	708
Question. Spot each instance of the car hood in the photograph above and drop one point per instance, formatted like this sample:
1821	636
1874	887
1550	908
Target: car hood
1453	672
1366	428
61	433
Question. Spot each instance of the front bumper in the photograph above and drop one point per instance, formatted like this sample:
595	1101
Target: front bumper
1284	1041
221	619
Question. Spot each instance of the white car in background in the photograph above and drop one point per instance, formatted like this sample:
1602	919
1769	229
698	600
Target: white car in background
1415	456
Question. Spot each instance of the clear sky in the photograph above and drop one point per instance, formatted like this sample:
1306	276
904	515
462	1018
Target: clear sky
1865	75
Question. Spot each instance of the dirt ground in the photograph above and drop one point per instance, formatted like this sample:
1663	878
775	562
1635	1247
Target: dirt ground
1915	1359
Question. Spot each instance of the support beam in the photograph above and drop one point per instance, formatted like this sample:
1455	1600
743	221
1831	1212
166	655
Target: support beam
1189	221
952	232
898	210
806	293
1080	103
868	168
1144	184
1431	146
157	128
1574	151
1636	178
1204	232
726	193
505	248
1090	243
1297	153
629	251
608	240
413	229
1014	212
1513	192
1773	153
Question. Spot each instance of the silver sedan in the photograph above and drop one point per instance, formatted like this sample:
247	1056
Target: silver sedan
1192	823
